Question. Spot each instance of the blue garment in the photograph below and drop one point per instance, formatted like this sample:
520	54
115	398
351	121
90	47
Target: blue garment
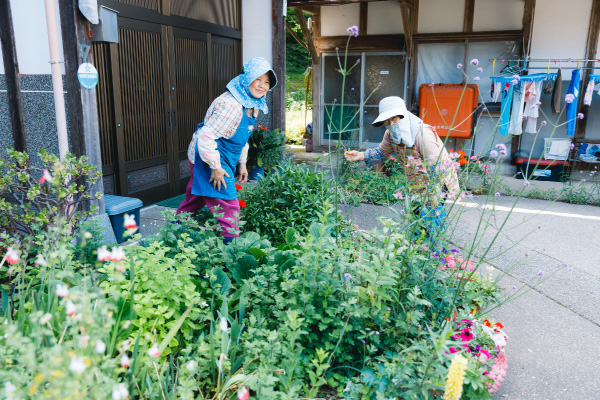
238	86
572	107
434	219
230	151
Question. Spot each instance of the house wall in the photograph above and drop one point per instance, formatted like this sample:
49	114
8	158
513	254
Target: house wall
441	16
33	55
336	19
384	18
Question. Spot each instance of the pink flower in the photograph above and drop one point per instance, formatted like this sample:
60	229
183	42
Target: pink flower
459	65
514	82
543	123
125	361
454	350
572	146
501	147
243	393
476	78
569	98
70	308
129	222
526	183
154	351
45	177
479	69
580	115
103	254
493	154
516	77
473	158
398	195
474	62
353	30
12	256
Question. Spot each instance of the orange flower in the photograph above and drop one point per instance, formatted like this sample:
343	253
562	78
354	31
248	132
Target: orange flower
462	161
238	187
242	203
461	152
451	151
487	323
499	325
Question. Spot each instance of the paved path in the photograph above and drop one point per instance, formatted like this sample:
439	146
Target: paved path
554	328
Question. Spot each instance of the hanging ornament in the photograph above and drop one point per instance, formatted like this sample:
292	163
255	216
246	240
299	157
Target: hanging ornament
89	9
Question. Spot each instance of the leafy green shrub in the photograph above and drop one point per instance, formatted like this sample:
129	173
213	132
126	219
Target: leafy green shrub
32	198
292	196
266	148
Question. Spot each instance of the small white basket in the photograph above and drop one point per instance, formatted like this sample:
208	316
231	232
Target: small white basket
556	149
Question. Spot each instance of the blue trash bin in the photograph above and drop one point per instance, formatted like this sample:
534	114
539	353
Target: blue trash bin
116	208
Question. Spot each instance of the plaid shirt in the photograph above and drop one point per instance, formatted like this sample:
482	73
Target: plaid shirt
429	154
221	121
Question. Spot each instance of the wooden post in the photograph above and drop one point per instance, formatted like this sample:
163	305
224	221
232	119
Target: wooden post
81	103
279	64
364	16
469	14
590	54
11	71
307	37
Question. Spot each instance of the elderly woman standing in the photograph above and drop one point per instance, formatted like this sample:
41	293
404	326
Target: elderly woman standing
418	147
220	146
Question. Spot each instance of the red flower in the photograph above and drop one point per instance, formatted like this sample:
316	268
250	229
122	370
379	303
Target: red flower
487	323
393	159
238	187
242	203
499	325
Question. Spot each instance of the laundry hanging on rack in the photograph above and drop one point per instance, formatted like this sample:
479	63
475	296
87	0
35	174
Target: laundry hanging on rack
556	94
572	106
589	92
515	127
532	108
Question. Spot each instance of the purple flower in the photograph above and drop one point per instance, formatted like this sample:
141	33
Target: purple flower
484	109
566	265
541	273
459	65
526	183
514	287
353	30
516	77
363	341
514	81
352	89
377	332
543	123
572	146
476	78
348	275
479	69
538	103
474	62
497	194
454	251
501	147
358	61
569	98
493	154
580	115
337	48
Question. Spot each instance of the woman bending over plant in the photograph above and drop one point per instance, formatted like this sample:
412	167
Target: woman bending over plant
220	146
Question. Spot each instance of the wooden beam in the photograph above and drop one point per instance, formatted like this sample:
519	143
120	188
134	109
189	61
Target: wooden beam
483	36
11	71
361	43
591	54
307	9
307	37
312	3
469	14
278	23
528	18
364	16
83	112
411	90
406	25
295	36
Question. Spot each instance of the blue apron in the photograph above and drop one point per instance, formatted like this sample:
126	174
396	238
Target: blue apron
230	151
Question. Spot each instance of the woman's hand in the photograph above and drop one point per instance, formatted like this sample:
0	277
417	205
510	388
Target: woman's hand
243	173
217	178
354	155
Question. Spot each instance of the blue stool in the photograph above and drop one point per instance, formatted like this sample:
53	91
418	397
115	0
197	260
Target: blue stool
116	208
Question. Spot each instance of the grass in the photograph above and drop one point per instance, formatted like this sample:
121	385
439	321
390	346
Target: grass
295	111
294	122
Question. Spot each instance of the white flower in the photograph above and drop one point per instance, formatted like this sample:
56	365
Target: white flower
204	304
154	351
100	347
191	366
120	392
87	235
77	365
243	393
103	254
45	318
70	308
9	388
223	324
40	260
117	254
126	324
62	290
12	256
125	361
499	339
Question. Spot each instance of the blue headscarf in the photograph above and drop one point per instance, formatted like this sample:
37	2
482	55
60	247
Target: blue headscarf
238	86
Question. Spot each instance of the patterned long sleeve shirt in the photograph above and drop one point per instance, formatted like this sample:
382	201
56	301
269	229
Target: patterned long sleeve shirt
222	120
429	148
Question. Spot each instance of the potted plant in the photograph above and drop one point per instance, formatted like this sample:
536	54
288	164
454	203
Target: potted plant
266	151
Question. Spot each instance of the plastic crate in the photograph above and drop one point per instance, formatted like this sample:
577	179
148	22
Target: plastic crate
543	170
556	149
116	208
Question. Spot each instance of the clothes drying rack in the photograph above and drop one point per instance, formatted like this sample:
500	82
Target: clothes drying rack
552	62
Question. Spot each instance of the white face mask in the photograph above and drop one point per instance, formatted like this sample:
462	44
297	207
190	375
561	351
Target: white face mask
400	132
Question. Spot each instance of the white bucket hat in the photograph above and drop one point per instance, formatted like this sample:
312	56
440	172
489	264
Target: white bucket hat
390	107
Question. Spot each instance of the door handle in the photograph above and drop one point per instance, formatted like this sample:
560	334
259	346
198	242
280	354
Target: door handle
168	120
174	120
